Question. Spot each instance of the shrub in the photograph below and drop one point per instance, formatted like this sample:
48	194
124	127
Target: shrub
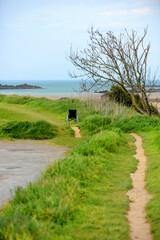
119	95
29	130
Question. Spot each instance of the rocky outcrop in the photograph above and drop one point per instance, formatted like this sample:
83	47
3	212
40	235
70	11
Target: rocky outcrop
21	86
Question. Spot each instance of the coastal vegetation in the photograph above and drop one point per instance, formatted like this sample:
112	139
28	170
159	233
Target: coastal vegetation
82	196
120	60
117	94
28	130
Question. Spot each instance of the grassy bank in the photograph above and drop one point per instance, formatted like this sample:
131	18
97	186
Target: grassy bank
24	108
26	113
149	129
80	197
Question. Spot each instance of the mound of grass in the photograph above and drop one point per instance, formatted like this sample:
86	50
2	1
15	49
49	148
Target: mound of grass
107	140
79	197
137	123
94	123
29	130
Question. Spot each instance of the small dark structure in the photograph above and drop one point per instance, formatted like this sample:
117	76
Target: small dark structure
105	96
72	114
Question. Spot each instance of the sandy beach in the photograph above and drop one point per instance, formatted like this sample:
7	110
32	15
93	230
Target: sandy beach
153	96
83	96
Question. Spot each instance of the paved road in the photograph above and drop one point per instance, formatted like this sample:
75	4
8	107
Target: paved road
22	162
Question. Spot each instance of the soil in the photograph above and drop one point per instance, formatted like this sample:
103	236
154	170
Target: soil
139	228
77	132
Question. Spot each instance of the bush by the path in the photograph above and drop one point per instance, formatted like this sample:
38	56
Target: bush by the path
29	130
119	95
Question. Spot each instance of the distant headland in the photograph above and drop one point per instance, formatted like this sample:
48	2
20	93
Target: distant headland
21	86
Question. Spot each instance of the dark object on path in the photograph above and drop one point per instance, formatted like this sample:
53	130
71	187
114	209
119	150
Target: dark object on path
72	114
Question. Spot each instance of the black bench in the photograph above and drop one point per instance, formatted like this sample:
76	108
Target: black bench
72	114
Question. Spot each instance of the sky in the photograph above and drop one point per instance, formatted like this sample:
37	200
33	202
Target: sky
36	35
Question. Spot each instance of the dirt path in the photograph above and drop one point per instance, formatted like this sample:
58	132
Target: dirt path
139	228
77	132
23	161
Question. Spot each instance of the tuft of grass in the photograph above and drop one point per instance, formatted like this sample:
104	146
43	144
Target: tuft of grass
107	140
28	130
93	124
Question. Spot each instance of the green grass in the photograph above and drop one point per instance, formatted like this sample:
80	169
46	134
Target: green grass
18	108
93	124
84	195
14	113
136	123
59	108
151	143
17	112
79	197
96	123
29	130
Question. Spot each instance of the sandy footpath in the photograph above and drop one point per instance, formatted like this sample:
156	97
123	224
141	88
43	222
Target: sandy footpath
77	132
139	228
22	162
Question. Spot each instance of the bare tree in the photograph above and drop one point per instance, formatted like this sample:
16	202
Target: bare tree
120	60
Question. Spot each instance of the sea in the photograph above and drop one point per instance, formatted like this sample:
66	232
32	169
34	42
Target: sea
49	87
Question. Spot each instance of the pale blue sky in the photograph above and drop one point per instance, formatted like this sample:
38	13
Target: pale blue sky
35	34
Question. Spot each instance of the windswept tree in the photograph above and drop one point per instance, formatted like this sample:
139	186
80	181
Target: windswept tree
120	60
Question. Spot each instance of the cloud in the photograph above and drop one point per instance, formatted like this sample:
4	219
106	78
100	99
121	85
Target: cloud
127	12
142	11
